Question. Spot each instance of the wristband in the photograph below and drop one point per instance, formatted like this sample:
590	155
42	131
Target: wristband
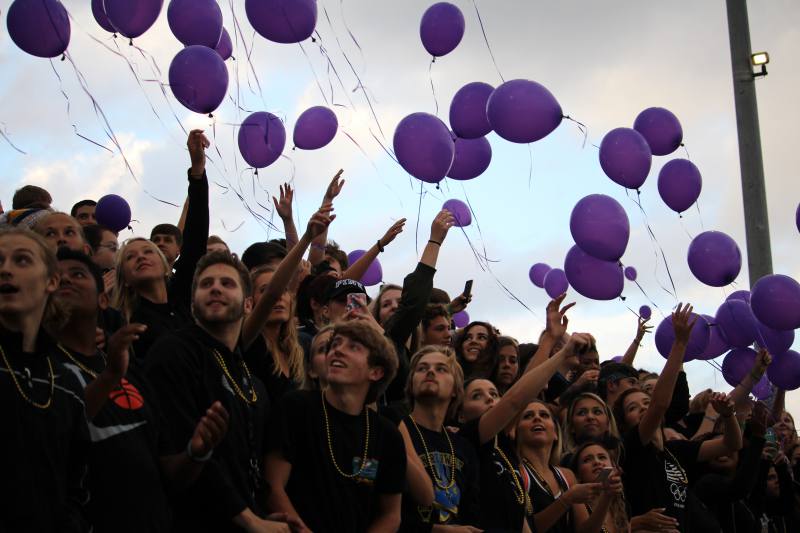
380	248
710	419
560	499
435	242
317	246
201	459
755	376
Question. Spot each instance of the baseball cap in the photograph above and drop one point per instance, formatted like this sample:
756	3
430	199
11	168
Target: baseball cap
344	287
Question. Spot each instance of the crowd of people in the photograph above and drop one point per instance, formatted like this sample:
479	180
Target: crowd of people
167	384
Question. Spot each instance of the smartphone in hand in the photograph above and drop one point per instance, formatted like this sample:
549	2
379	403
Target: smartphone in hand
467	289
602	477
356	300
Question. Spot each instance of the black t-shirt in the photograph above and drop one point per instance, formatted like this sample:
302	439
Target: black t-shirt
500	509
261	363
126	427
453	504
324	499
655	478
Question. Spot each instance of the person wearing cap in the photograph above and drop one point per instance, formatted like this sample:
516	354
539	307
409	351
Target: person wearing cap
336	299
616	378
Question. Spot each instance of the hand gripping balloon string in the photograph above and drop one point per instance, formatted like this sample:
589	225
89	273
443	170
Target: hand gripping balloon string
486	40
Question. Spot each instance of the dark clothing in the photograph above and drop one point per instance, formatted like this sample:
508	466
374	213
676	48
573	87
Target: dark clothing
542	497
774	515
261	363
162	319
126	427
679	405
557	386
324	498
43	451
183	370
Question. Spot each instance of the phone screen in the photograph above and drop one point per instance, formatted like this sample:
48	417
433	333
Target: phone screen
602	477
356	300
468	288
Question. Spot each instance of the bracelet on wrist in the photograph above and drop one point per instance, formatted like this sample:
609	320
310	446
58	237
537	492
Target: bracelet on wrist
380	248
437	243
563	502
196	459
712	419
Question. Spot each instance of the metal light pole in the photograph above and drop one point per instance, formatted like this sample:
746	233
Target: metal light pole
754	196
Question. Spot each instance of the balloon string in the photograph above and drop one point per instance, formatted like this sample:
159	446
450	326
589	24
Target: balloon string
530	166
686	150
433	87
225	227
374	166
352	37
238	34
649	299
477	224
654	243
581	127
316	79
419	214
680	219
388	152
486	40
699	214
6	136
341	51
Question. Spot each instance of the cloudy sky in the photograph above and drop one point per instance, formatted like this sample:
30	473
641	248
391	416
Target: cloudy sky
604	62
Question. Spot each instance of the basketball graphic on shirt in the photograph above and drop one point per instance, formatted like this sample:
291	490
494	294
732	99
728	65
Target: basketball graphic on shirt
127	396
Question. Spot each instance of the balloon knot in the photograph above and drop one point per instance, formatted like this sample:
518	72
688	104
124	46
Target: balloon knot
63	56
233	58
313	39
638	192
622	298
294	148
256	172
114	35
211	115
438	188
130	42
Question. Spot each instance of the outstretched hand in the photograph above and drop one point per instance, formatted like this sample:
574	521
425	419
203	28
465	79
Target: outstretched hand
393	231
283	206
210	430
557	320
197	144
721	403
119	349
642	328
319	221
441	225
683	322
334	188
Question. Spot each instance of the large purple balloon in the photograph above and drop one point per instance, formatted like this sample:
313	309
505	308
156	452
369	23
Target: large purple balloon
460	212
374	273
132	18
743	295
592	277
472	158
600	227
468	110
537	274
113	212
39	27
630	273
441	28
738	325
315	128
461	319
282	21
714	258
763	389
774	340
195	21
645	311
225	46
523	111
261	139
198	78
424	147
99	13
660	128
679	184
698	339
737	364
775	301
555	283
717	345
625	157
784	371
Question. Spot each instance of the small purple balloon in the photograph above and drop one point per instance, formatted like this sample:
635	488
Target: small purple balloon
592	277
523	111
472	158
717	345
195	22
679	184
617	358
645	312
460	212
461	319
441	28
468	110
714	258
40	28
132	18
374	273
113	212
99	13
315	128
739	326
763	389
600	227
775	300
555	283
625	157
698	338
198	78
797	218
737	364
660	128
225	46
743	295
630	273
774	340
282	21
537	274
424	147
784	371
262	138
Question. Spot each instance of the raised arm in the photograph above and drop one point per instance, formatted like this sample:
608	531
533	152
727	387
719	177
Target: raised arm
283	206
555	330
359	268
731	440
98	391
743	389
641	329
439	228
317	254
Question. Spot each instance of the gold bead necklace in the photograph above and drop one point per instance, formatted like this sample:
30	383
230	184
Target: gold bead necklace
253	396
19	387
78	363
330	441
523	498
430	459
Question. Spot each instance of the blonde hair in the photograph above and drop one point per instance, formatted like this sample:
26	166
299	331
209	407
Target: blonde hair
569	436
310	383
125	298
455	370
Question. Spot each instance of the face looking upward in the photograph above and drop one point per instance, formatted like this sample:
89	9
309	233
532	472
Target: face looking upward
390	301
141	263
85	215
281	311
589	419
508	366
475	341
433	378
219	296
438	332
25	283
536	427
591	460
168	246
480	395
348	363
62	230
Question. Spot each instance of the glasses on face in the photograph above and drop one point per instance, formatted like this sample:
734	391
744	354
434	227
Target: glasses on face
110	247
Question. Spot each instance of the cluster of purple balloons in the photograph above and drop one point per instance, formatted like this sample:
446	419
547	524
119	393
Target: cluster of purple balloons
552	280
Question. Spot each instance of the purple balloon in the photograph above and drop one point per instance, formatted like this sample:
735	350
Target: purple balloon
763	389
784	371
717	345
132	18
739	326
100	16
461	319
645	311
600	227
660	128
472	158
555	283
195	21
630	273
315	128
198	78
774	340
797	218
775	301
282	21
374	273
617	358
625	157
714	258
113	212
737	364
225	46
523	111
537	274
424	147
40	28
592	277
441	28
460	212
698	339
740	295
679	184
468	110
261	139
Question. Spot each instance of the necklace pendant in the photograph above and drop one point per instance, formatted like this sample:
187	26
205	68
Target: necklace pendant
28	377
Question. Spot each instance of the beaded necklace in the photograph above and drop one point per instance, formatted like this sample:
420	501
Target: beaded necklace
78	363
253	396
330	441
19	387
430	458
522	496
